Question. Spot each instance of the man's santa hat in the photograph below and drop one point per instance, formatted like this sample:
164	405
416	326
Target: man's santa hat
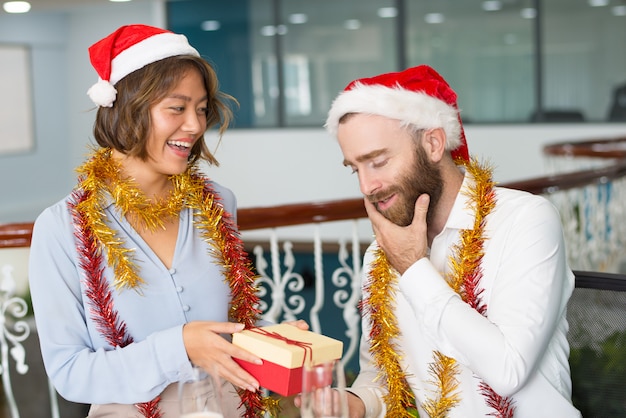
418	96
128	49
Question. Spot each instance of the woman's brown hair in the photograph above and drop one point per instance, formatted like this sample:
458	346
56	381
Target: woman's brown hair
125	126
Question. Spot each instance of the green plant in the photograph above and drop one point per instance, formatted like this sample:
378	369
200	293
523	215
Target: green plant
599	377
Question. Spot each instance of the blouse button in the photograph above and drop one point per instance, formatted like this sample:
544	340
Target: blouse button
179	289
186	308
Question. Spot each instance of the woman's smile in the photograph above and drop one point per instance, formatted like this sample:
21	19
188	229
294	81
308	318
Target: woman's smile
180	148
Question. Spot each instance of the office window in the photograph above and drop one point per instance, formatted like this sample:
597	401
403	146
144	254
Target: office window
220	30
584	59
285	65
310	52
483	49
510	61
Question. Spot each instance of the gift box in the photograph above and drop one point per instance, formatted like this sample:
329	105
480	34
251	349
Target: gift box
284	349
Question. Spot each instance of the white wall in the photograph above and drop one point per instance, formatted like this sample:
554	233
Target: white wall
268	167
63	115
87	25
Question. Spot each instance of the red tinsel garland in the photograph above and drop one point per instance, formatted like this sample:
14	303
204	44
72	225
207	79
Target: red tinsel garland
99	294
244	299
471	252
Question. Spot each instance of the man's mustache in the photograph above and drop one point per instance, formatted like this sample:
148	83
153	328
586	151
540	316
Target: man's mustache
382	195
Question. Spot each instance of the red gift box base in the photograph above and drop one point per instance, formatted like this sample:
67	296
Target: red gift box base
274	377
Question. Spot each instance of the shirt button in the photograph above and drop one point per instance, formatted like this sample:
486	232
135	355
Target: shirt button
179	289
186	308
172	270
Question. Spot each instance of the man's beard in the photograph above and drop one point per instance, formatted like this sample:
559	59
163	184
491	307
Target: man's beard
421	177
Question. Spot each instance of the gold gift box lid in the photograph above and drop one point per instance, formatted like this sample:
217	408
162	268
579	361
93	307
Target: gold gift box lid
269	344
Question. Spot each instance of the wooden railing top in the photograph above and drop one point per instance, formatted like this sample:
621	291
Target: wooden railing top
300	213
596	148
14	235
312	212
19	234
567	181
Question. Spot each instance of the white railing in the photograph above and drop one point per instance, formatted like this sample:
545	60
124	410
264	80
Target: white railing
14	331
336	284
17	326
593	213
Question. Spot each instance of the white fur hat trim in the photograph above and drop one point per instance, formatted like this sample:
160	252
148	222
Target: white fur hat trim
408	106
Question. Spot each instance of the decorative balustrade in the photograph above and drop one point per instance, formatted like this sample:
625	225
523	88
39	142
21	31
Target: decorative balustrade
329	239
15	330
593	214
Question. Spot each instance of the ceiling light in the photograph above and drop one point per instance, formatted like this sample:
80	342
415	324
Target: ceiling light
528	13
598	3
352	24
271	30
434	18
16	6
492	5
386	12
618	10
298	18
210	25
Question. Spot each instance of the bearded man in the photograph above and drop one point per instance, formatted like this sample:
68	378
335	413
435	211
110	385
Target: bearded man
466	285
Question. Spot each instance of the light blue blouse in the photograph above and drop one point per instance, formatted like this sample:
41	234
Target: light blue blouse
82	365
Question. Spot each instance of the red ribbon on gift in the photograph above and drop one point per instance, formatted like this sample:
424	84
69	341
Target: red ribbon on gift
306	346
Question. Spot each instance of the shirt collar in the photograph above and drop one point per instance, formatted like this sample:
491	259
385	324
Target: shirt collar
462	214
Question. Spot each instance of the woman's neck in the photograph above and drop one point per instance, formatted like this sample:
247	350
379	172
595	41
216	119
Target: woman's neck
153	184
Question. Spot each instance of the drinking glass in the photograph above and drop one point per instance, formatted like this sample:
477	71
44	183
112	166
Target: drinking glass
200	396
324	391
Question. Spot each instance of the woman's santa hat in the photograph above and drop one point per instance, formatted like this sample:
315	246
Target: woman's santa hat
418	96
128	49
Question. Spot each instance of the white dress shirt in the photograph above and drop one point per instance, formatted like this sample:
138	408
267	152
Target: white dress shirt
519	348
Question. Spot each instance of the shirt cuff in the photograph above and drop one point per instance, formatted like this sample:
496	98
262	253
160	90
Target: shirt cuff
372	401
171	354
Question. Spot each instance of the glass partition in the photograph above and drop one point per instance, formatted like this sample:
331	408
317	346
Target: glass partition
484	52
509	60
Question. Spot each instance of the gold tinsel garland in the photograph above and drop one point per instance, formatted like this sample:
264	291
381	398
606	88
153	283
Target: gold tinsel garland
380	304
463	279
100	174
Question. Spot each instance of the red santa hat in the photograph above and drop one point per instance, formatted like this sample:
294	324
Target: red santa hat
418	96
128	49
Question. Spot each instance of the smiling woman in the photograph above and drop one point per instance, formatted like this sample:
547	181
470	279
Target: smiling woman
140	310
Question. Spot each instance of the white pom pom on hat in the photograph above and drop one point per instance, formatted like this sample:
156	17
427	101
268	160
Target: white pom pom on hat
417	96
102	93
128	49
